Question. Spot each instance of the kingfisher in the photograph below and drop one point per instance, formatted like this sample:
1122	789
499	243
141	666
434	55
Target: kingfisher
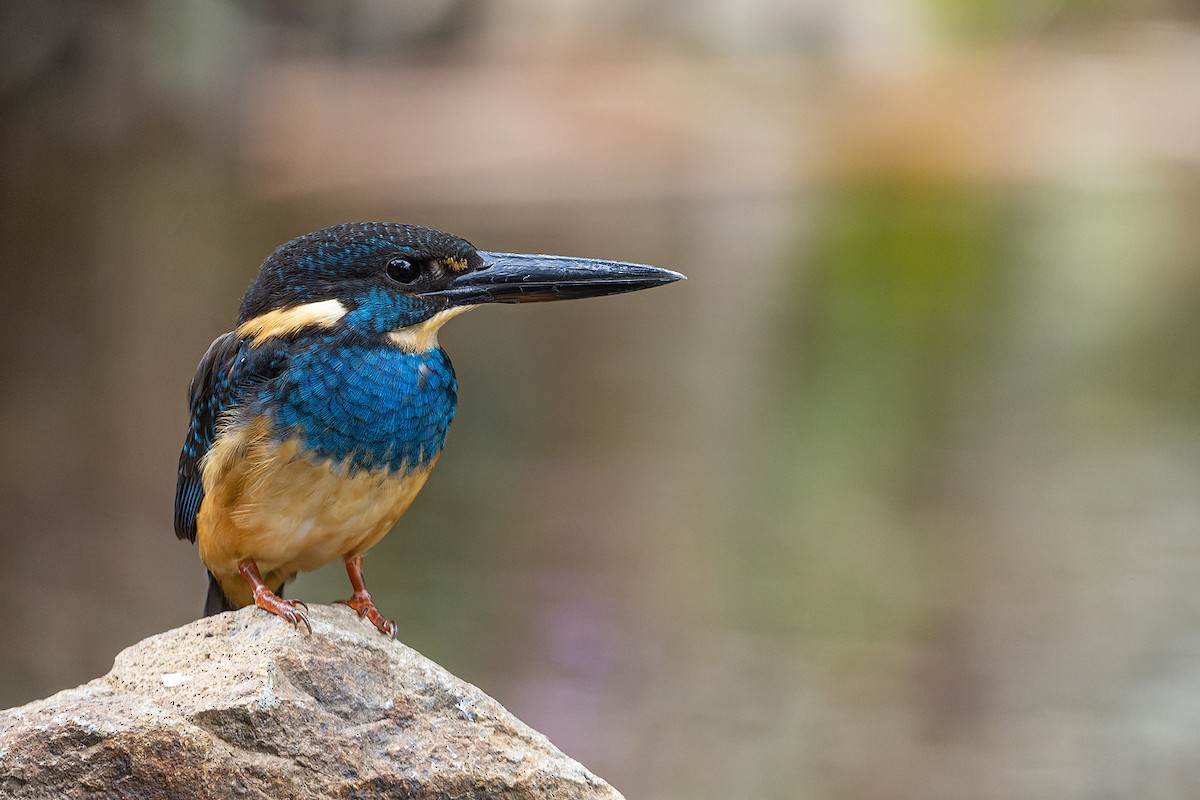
316	421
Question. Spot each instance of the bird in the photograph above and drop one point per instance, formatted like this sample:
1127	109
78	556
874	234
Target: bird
316	421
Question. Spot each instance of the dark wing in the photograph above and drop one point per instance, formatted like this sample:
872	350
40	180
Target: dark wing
212	391
229	371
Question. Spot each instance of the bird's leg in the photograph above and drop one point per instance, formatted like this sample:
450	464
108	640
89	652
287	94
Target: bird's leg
266	599
361	601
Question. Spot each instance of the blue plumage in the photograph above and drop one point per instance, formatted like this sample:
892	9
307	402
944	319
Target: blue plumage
369	408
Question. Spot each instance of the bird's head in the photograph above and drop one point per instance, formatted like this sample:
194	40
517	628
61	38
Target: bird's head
404	281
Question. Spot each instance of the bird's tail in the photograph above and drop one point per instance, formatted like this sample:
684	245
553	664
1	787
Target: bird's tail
216	602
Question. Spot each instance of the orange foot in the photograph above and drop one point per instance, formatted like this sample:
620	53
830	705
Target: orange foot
266	599
361	602
294	611
365	606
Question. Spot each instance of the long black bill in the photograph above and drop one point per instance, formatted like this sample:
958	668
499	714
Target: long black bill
520	278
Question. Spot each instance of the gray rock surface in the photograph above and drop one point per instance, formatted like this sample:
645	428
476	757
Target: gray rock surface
242	706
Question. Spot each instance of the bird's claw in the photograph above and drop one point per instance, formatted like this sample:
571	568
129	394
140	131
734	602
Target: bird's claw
365	606
287	609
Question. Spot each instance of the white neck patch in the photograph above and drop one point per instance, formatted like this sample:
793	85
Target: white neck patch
422	337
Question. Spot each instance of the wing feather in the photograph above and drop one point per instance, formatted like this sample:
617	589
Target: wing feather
229	374
213	391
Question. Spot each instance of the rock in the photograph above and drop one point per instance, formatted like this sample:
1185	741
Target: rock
241	705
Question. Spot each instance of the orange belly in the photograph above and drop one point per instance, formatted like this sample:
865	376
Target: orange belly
269	502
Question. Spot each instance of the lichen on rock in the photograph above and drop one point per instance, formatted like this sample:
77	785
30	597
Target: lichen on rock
241	705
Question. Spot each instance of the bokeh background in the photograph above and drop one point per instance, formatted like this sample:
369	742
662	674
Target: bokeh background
897	497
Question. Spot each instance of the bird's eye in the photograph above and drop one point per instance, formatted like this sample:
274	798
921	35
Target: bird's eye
401	271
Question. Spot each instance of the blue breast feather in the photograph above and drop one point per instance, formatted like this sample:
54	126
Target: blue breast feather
364	406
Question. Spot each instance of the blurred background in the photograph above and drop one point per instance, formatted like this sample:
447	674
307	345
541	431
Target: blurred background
895	498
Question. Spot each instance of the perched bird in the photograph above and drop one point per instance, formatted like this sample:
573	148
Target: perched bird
317	420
